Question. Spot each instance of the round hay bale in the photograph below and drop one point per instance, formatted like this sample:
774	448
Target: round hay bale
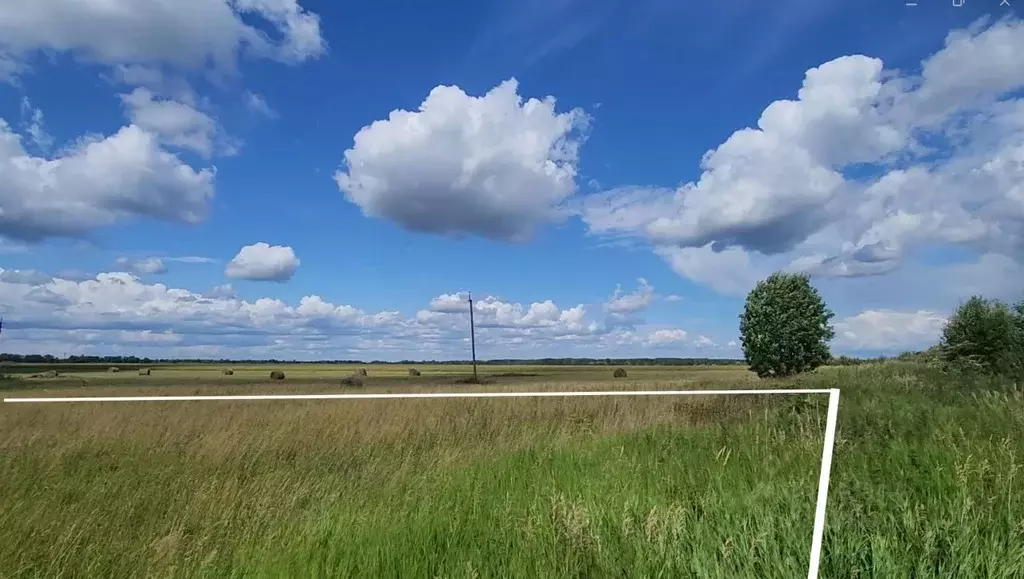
620	373
113	369
361	372
414	372
144	371
228	372
351	381
277	375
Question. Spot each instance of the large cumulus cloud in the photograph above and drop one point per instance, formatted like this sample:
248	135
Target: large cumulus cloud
495	166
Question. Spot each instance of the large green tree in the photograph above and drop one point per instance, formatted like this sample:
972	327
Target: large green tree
985	335
785	326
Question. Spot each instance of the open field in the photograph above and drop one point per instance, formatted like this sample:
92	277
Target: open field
924	480
206	375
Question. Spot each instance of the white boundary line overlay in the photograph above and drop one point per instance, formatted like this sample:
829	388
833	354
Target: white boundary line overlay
826	454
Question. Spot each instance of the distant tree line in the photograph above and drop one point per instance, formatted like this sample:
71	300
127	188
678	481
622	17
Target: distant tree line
134	360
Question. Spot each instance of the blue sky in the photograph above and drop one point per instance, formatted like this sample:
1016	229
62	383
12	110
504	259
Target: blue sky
272	178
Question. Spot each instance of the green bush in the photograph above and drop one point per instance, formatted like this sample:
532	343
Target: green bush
986	336
785	326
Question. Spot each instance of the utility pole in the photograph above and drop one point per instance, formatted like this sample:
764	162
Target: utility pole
472	335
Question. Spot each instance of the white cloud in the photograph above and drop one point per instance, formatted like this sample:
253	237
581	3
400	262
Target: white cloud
705	342
177	124
631	303
147	337
729	272
75	275
257	105
493	166
192	259
263	262
189	34
140	75
673	298
223	291
668	336
866	168
766	188
144	265
118	312
890	330
95	183
299	28
160	80
35	126
450	303
120	301
23	276
449	310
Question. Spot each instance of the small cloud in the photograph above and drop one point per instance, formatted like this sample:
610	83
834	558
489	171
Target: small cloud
35	126
704	342
673	298
153	265
223	291
257	105
661	337
192	259
74	275
263	262
450	303
631	303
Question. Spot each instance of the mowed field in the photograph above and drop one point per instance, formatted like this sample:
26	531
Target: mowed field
925	477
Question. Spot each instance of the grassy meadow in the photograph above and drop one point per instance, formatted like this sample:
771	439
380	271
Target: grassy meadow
924	480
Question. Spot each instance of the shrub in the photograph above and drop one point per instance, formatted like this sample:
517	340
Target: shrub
985	336
361	372
785	326
144	371
277	375
414	372
845	361
620	373
351	381
228	372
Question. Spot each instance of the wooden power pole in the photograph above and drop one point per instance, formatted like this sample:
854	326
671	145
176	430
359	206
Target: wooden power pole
472	336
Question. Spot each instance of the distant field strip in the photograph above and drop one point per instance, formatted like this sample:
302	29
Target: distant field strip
826	458
417	395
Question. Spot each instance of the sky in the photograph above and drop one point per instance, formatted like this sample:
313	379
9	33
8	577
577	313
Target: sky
329	180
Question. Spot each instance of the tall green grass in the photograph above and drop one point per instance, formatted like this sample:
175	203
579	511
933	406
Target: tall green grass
924	484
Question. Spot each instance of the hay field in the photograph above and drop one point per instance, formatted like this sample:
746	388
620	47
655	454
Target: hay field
925	479
381	374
